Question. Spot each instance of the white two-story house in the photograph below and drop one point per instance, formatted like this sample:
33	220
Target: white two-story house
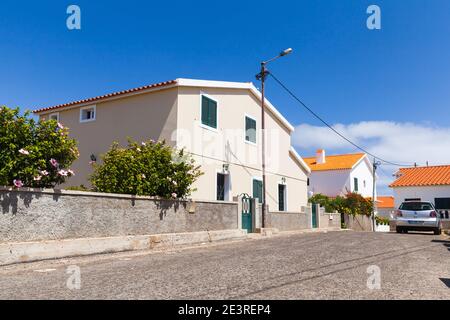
217	122
337	175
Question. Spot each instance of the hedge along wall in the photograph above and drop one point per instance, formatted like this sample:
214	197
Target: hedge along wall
30	215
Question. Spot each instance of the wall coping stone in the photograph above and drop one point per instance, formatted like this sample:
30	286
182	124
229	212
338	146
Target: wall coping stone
63	192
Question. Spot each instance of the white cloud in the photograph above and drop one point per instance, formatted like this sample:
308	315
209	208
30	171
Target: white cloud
392	141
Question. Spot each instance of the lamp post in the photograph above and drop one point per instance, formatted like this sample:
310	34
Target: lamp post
375	166
262	77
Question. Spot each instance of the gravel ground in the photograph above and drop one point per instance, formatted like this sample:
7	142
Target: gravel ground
331	265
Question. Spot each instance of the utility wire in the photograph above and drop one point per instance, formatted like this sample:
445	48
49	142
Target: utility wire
333	129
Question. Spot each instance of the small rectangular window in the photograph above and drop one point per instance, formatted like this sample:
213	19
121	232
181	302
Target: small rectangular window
209	112
250	129
281	197
442	203
54	116
355	182
87	114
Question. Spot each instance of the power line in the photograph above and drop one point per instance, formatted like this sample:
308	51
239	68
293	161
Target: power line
333	129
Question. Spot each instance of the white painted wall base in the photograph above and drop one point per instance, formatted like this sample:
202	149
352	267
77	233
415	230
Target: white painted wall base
382	228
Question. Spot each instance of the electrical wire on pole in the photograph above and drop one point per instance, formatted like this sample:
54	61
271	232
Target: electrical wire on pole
333	129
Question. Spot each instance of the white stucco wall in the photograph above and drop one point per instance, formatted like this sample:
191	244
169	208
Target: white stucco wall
363	172
330	183
424	193
226	145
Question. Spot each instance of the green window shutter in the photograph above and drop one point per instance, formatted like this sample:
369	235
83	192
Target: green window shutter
250	130
212	114
205	114
355	181
209	112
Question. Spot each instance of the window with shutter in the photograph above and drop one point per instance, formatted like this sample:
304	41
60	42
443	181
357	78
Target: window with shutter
209	112
250	129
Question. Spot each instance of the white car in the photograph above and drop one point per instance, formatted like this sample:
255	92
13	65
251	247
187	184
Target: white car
417	216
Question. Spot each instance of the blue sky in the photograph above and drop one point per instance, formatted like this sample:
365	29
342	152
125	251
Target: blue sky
347	73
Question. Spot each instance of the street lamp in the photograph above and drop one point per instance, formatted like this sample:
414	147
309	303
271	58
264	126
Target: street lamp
375	166
262	77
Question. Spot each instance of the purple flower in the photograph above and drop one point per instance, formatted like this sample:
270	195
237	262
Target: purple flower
44	172
71	172
18	183
37	178
53	162
60	126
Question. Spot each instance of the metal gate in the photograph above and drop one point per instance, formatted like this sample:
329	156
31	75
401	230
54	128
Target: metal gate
314	215
247	222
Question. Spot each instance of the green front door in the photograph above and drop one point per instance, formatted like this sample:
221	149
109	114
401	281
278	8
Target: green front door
314	216
257	190
247	223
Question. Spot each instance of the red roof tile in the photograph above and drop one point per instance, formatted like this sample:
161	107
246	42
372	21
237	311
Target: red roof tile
385	202
423	176
114	94
334	162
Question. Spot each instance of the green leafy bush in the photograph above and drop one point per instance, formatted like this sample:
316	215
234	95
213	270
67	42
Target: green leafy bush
324	201
150	168
358	205
352	204
34	154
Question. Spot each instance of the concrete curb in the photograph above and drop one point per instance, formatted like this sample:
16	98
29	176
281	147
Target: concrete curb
19	252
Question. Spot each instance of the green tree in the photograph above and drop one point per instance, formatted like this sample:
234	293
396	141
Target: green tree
150	168
34	154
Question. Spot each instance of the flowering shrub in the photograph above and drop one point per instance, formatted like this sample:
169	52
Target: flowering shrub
352	204
33	154
150	168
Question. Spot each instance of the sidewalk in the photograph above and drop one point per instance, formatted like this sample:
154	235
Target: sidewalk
19	252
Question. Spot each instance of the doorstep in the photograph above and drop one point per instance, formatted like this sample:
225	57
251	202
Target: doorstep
271	232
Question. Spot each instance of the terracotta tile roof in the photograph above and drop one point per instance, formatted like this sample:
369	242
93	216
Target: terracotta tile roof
423	176
385	202
335	162
155	85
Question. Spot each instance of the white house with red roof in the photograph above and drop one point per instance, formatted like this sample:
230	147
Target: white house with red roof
430	183
337	175
217	122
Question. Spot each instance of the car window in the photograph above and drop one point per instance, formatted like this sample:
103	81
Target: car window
416	206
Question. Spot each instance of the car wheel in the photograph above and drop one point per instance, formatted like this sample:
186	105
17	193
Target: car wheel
398	230
437	231
405	230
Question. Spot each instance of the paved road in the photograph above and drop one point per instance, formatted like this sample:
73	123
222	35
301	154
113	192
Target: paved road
303	266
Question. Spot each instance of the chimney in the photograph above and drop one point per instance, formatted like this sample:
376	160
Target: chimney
320	156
